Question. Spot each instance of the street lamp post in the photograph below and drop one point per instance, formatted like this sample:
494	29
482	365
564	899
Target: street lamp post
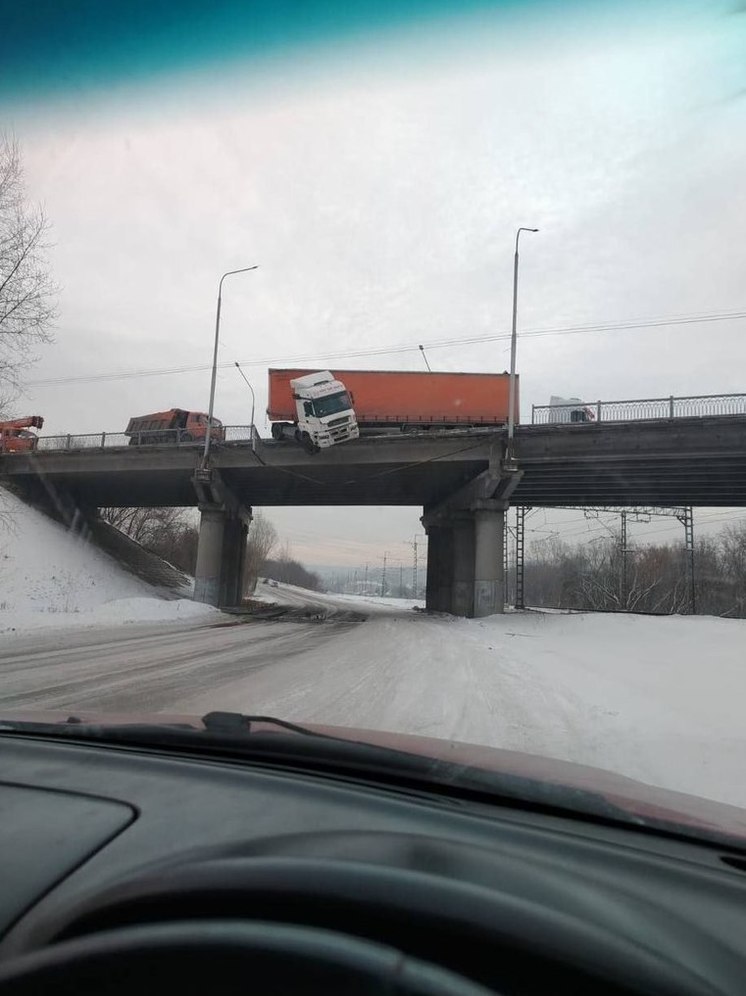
253	404
208	436
513	343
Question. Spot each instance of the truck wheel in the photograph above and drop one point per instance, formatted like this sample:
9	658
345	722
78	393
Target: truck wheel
276	431
307	443
186	437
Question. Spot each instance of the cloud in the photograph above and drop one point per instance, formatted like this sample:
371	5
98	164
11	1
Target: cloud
381	201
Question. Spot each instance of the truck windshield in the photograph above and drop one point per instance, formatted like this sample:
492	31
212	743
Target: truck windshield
331	405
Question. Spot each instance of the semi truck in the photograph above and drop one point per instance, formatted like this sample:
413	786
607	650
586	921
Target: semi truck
329	407
316	407
15	436
173	426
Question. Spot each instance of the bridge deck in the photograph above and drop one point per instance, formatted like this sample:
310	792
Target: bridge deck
699	461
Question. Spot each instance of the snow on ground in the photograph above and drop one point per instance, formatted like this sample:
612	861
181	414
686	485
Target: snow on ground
658	699
289	594
50	578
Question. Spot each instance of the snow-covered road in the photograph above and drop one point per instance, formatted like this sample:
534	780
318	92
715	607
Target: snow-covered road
658	699
146	668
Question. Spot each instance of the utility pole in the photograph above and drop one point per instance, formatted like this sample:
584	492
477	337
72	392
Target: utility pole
686	518
383	575
401	580
623	575
414	568
513	343
365	581
424	357
506	566
208	436
253	404
520	555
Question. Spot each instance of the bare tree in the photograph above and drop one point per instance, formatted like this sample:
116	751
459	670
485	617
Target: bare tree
291	571
169	533
733	553
654	580
261	542
27	292
143	524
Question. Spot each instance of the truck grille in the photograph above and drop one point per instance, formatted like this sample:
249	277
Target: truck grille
338	421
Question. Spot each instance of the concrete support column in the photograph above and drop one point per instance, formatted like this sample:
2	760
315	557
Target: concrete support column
221	557
433	549
444	581
462	594
489	578
209	556
439	568
234	560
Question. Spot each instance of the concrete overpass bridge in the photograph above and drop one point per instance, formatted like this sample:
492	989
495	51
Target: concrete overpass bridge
461	480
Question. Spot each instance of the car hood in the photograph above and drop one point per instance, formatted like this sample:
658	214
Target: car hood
643	803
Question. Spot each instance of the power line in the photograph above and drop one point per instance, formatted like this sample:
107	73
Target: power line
665	322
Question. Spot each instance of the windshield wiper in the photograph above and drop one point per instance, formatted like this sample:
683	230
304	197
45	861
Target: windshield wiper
232	722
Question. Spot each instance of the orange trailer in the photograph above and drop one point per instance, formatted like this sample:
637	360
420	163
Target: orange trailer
403	398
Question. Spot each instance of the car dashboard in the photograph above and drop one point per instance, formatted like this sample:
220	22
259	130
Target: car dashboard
100	843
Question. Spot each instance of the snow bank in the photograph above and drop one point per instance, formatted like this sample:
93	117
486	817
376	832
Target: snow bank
658	699
51	578
119	611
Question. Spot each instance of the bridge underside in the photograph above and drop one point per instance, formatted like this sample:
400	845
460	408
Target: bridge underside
459	479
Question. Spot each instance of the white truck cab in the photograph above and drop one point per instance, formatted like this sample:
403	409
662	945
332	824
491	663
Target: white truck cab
325	415
570	410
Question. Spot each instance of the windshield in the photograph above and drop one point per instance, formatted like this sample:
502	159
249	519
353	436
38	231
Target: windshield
331	405
513	231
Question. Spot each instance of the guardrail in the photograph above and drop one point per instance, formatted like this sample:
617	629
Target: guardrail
164	437
641	409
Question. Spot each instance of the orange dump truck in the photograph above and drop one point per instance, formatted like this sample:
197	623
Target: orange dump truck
400	399
173	426
15	436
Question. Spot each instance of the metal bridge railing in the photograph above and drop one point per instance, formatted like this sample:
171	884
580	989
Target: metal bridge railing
166	437
697	405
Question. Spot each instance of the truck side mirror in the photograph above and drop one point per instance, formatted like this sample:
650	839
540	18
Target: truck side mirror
352	398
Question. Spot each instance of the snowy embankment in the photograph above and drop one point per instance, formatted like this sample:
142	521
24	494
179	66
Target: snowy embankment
658	699
50	578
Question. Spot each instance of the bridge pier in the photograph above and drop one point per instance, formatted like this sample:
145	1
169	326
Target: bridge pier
462	600
221	557
489	566
209	555
221	547
439	568
465	567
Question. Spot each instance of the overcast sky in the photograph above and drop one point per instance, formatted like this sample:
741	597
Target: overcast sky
378	177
